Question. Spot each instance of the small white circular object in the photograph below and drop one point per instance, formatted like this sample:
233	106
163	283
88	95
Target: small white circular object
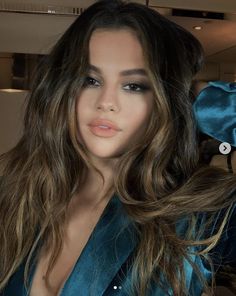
114	287
225	148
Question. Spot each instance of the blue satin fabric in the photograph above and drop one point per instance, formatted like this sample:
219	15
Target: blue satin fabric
215	111
103	269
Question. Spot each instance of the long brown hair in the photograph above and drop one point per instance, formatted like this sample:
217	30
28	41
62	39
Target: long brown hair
159	181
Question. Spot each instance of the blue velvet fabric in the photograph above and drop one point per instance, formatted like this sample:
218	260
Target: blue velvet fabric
215	111
103	269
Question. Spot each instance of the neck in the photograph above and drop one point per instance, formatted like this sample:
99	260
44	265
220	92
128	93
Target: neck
96	190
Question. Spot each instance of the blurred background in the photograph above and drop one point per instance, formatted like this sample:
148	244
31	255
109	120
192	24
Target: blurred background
29	28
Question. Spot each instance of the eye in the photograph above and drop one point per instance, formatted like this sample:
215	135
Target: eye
136	87
90	82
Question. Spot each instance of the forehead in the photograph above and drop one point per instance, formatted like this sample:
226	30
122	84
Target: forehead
115	45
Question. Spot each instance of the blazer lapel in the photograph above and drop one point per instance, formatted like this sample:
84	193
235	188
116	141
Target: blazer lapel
107	249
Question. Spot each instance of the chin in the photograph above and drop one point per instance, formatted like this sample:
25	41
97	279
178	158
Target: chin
104	153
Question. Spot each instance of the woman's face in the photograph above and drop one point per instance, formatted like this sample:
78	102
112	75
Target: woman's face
115	104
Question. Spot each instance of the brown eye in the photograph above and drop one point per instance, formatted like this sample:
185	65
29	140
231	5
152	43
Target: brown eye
136	87
90	82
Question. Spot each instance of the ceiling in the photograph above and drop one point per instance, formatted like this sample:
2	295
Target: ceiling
217	36
37	32
206	5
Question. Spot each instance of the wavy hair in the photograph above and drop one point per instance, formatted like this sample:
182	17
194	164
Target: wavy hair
159	181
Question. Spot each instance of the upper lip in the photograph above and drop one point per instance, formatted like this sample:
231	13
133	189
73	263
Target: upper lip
105	122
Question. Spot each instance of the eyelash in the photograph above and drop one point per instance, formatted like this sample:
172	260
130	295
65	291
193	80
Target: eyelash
142	87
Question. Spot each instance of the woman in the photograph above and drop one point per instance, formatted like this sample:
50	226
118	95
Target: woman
103	195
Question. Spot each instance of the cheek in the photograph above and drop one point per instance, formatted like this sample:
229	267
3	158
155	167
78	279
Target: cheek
140	119
140	114
85	100
80	104
81	110
137	123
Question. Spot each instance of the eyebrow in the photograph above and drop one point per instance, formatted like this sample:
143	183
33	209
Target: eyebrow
128	72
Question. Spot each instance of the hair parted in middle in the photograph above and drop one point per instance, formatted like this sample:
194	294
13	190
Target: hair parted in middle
158	180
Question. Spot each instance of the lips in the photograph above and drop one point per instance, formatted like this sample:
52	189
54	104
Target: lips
104	123
103	128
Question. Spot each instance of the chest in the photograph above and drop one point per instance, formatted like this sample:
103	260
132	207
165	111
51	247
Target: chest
77	235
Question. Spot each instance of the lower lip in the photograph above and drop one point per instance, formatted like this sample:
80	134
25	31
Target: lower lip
102	132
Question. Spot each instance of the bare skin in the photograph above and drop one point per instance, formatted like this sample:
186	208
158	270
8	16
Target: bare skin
83	215
81	223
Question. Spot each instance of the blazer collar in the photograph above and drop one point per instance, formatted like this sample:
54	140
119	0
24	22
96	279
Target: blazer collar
108	247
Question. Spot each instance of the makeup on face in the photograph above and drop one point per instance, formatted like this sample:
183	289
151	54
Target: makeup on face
103	128
116	101
134	80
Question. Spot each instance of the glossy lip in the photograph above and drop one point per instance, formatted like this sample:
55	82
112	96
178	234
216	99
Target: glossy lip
97	130
104	122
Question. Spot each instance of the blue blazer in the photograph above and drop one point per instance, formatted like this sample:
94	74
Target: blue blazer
103	266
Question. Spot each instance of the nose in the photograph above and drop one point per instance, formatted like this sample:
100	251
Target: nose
107	101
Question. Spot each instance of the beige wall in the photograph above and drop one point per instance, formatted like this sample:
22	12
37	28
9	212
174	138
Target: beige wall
11	118
6	70
31	33
205	5
208	5
218	71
